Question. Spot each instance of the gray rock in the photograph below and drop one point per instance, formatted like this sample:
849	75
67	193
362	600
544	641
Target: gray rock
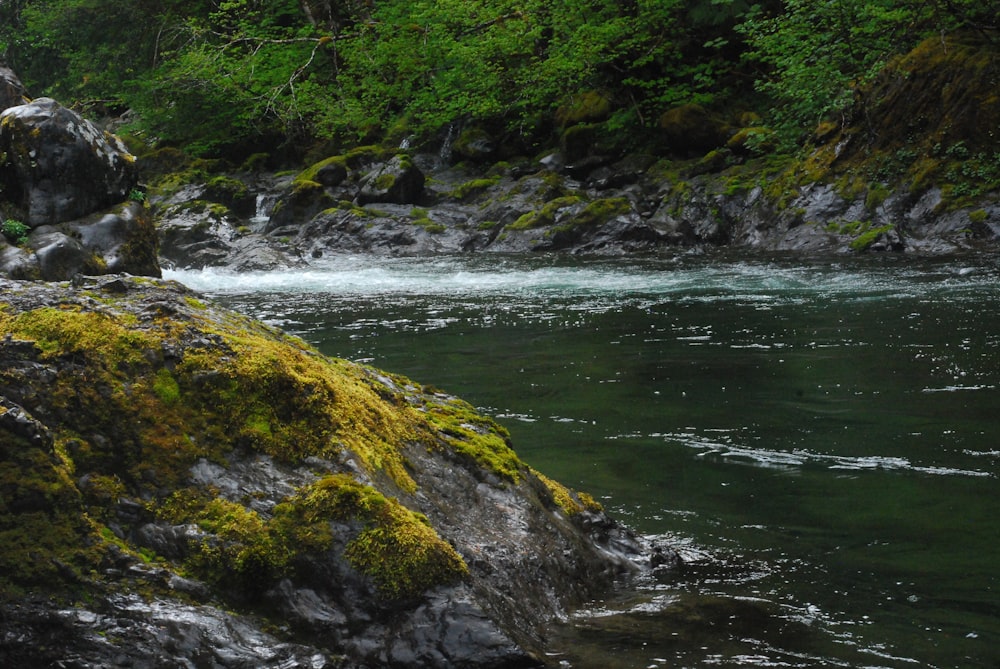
60	166
397	181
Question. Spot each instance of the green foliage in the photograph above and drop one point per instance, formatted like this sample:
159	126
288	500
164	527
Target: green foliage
15	231
209	76
817	55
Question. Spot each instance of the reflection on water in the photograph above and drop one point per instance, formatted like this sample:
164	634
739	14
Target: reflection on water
819	438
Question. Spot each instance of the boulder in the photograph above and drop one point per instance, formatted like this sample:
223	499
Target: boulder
118	240
305	511
397	180
59	166
11	90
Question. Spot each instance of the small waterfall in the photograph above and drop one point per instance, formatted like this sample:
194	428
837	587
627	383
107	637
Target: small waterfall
262	210
444	155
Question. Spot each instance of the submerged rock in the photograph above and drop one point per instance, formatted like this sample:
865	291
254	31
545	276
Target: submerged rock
177	479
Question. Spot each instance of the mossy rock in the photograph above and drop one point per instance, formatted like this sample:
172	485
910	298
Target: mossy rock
474	143
691	130
546	215
585	107
928	120
328	172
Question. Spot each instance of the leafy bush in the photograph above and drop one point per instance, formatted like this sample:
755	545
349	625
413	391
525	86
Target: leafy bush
15	231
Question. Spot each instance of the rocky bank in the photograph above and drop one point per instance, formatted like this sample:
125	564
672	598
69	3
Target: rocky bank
912	166
182	486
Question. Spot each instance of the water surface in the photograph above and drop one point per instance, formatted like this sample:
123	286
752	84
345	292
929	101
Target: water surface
817	436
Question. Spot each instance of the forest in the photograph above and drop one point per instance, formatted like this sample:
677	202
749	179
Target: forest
219	77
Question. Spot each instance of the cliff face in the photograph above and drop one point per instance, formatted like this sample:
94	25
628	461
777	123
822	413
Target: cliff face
168	468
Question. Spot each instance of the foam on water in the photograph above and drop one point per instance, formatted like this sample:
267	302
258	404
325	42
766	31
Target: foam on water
478	276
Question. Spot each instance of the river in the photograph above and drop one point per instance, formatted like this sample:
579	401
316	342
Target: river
817	436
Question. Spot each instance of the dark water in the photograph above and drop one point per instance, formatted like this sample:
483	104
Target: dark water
818	437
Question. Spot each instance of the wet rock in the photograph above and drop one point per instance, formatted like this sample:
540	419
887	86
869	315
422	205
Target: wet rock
261	490
397	181
59	166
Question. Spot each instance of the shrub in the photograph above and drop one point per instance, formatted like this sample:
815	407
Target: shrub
15	231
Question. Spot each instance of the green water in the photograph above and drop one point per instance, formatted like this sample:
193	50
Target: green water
819	438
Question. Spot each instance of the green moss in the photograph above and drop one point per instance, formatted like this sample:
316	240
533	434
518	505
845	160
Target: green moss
165	386
394	546
385	181
867	238
877	194
601	211
475	436
397	548
47	540
569	501
978	216
470	189
585	106
68	331
546	215
311	172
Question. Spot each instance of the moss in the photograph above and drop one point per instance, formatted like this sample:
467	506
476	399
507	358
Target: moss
165	386
545	215
475	436
471	189
569	501
867	238
394	546
311	173
46	538
585	106
877	194
601	211
978	216
397	548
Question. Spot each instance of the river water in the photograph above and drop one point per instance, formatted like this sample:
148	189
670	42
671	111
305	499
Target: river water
818	437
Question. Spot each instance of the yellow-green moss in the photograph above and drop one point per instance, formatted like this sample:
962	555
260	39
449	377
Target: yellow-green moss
476	436
472	188
978	216
398	549
585	106
45	537
867	238
569	501
601	211
395	547
310	173
165	386
546	215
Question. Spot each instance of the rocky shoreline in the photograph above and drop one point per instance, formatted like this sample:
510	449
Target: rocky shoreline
627	206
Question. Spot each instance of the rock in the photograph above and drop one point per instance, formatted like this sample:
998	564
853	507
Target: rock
474	143
12	91
60	256
358	518
59	166
120	240
397	180
124	239
690	130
